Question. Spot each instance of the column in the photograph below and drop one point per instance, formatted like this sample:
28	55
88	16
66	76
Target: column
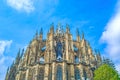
27	75
72	72
46	74
37	72
53	71
64	71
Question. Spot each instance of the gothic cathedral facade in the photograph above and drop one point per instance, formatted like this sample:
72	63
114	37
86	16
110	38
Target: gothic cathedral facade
59	57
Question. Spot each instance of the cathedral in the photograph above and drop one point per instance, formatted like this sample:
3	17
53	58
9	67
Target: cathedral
58	57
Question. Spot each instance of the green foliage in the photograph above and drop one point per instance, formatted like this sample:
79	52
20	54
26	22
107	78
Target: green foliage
105	72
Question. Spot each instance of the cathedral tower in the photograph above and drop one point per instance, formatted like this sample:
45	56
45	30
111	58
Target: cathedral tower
59	57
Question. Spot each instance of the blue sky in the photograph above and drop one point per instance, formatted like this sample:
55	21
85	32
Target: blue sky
19	20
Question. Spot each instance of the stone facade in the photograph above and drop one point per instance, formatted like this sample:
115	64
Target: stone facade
59	57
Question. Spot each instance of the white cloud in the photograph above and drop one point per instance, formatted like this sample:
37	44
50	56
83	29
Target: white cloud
111	36
3	45
118	68
4	60
21	5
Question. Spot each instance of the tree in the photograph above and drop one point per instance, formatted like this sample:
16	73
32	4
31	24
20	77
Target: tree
105	72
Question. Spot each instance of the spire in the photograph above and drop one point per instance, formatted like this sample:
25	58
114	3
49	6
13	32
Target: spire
22	53
78	35
36	35
67	28
77	32
18	57
41	34
52	28
12	65
41	31
59	29
82	35
18	54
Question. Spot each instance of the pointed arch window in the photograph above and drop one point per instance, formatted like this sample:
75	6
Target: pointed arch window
77	74
59	73
41	74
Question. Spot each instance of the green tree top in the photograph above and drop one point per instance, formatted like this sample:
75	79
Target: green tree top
105	72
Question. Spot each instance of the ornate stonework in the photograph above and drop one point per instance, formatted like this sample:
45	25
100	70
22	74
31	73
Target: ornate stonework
59	57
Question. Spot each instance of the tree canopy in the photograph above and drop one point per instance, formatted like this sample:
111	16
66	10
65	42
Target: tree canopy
105	72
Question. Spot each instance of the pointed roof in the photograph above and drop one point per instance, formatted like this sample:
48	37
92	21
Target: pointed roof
77	32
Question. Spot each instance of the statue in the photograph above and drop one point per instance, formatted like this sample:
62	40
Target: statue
59	50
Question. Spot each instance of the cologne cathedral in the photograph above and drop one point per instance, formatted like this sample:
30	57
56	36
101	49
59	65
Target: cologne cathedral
58	57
